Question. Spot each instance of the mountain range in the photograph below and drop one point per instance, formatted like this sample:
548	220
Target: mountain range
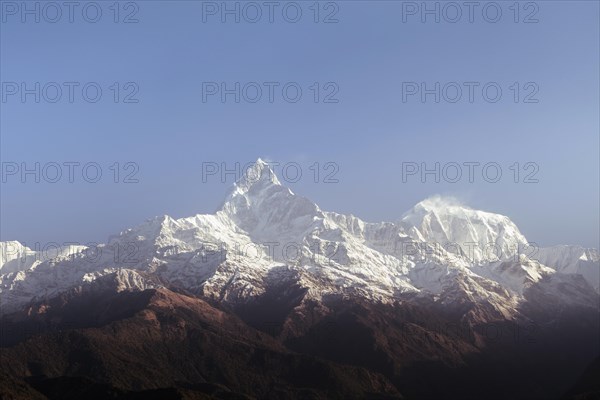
273	297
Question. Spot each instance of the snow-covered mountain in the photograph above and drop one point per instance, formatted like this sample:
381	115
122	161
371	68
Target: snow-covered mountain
15	257
479	236
265	233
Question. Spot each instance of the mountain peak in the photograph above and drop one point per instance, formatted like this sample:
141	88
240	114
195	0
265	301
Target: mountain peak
260	205
437	202
259	174
449	207
445	220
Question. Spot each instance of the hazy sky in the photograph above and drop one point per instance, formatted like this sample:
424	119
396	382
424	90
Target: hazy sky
363	125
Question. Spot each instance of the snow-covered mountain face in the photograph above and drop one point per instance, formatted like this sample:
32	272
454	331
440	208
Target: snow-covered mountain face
15	257
265	233
479	236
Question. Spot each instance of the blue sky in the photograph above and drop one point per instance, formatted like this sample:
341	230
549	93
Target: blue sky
366	58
